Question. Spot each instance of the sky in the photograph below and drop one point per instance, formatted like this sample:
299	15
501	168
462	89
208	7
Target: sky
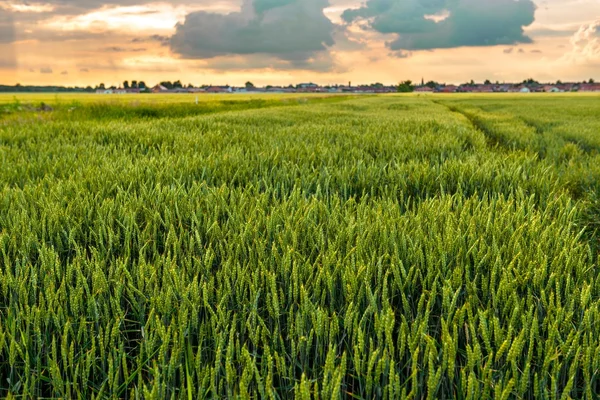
281	42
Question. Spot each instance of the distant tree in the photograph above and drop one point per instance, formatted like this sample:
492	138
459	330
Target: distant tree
113	87
89	89
102	87
559	82
249	85
591	81
406	87
472	83
167	84
432	84
134	84
190	86
379	85
142	85
487	82
126	85
177	85
530	81
269	87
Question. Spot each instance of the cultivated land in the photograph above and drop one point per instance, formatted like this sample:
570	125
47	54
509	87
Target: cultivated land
327	247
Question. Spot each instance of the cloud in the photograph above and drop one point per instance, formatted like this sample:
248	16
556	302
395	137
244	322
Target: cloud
508	51
64	73
7	27
585	44
84	70
293	31
257	62
402	54
7	63
550	33
72	7
435	24
8	59
163	40
117	49
46	70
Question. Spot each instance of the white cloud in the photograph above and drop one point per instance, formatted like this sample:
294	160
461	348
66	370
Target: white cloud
585	44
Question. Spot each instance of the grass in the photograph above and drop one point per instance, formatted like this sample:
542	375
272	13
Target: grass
300	247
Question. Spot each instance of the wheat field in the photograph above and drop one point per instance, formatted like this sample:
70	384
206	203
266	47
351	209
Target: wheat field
309	247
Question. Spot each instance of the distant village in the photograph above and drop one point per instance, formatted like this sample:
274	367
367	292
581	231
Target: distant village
135	87
528	86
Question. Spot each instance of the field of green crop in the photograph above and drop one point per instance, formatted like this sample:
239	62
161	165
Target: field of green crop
300	247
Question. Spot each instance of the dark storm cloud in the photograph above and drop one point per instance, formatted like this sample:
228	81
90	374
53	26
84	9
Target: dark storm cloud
433	24
295	31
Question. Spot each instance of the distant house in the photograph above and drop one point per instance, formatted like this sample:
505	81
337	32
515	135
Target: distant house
448	89
485	88
120	91
568	87
310	89
219	89
104	91
308	86
589	87
552	89
423	89
179	90
386	89
159	89
364	89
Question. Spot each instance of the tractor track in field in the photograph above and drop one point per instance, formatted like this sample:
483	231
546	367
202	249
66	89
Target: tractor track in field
589	219
492	140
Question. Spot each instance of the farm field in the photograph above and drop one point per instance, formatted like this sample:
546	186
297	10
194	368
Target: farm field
398	246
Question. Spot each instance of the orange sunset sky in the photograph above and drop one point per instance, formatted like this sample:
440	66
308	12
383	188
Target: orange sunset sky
279	42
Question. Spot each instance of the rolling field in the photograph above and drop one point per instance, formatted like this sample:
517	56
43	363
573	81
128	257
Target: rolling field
300	247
